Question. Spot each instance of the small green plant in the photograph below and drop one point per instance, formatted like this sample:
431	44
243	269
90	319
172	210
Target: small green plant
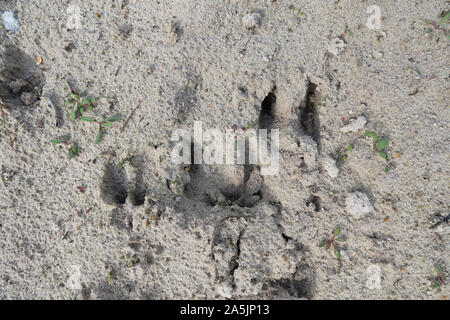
445	18
327	244
130	261
125	160
73	149
342	155
379	146
298	11
439	279
393	200
78	104
445	15
347	32
102	124
110	276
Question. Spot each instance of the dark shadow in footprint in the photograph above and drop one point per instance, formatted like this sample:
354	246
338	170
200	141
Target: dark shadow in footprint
137	196
19	74
301	285
309	117
226	249
186	97
253	182
304	281
59	111
314	202
113	186
121	220
266	116
139	189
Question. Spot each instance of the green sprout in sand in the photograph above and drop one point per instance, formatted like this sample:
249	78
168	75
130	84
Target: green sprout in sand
327	244
103	123
73	149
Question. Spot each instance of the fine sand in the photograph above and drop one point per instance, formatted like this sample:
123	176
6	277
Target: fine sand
104	226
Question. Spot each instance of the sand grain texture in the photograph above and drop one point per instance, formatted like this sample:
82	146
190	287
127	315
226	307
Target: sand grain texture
153	230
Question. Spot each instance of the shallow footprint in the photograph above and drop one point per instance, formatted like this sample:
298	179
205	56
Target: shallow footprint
113	186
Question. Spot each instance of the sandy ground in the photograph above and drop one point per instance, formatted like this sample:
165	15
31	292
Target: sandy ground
87	228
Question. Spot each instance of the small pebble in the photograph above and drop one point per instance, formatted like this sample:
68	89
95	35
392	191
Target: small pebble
10	22
225	289
358	204
336	46
354	125
330	167
251	21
